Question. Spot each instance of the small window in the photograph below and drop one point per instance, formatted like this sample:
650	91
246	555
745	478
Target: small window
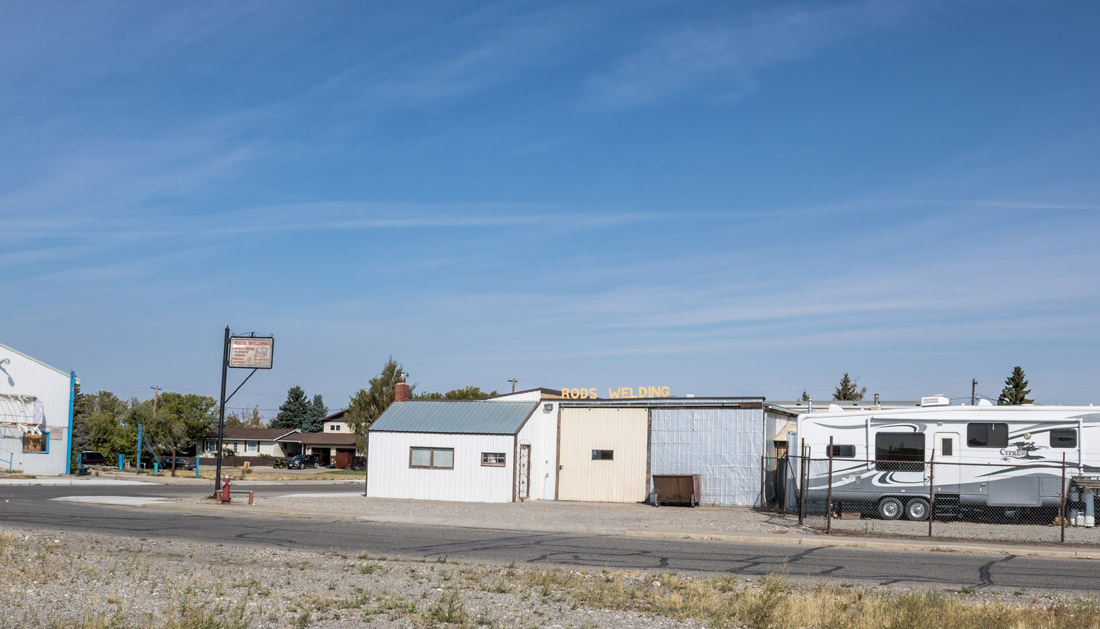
211	445
947	446
899	451
36	443
1063	438
840	452
603	455
432	458
492	459
253	446
987	435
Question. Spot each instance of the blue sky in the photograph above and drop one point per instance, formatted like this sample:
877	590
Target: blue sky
726	198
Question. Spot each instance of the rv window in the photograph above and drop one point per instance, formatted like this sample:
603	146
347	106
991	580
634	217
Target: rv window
987	435
1063	438
899	451
840	452
947	446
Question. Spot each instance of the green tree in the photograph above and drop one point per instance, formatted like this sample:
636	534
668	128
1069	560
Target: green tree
317	412
181	420
295	412
805	396
107	420
368	405
466	393
847	390
1015	390
245	419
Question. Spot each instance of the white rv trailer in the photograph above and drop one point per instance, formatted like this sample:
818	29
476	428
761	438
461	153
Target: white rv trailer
985	456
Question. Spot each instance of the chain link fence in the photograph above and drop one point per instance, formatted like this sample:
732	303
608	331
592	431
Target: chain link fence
1018	502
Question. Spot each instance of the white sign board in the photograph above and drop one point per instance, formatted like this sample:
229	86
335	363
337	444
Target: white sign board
251	352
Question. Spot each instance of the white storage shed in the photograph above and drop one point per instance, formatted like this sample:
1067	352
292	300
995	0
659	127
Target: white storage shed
473	451
36	415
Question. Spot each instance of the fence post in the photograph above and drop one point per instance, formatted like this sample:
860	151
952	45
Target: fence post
805	474
931	491
1062	515
829	496
763	481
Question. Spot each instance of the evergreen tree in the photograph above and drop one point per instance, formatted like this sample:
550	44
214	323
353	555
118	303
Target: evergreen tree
317	412
805	396
847	391
295	412
1015	391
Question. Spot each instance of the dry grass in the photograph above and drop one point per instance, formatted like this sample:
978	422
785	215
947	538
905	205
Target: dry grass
773	602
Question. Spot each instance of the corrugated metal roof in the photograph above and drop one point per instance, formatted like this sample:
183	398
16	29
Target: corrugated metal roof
450	416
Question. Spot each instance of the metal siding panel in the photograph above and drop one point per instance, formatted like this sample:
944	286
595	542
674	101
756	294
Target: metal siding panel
541	432
722	445
622	479
26	376
389	474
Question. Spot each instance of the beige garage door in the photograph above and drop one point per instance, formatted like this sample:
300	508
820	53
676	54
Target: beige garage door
603	454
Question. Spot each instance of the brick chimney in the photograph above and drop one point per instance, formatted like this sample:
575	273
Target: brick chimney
401	391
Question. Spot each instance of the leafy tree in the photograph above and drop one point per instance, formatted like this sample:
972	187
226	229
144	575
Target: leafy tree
181	419
82	438
107	420
246	419
368	405
467	393
1015	390
847	390
295	412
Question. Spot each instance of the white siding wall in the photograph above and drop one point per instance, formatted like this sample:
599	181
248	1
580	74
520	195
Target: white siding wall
389	474
622	479
541	431
722	445
26	376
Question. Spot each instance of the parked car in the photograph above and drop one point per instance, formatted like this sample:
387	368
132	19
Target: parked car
181	464
302	461
89	457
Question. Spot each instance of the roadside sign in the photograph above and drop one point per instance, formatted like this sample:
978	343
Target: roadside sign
251	352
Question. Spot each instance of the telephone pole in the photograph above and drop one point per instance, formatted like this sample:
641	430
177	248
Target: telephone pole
513	381
156	392
973	386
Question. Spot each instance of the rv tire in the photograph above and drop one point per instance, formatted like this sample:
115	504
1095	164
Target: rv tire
917	509
889	508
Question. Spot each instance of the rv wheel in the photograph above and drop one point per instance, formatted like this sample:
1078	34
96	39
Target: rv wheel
917	509
889	509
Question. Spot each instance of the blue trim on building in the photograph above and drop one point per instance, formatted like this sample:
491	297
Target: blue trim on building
69	435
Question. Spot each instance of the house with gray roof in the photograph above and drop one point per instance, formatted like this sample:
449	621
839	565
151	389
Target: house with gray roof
476	451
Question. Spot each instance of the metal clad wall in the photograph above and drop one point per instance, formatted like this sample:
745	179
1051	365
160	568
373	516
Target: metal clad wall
622	479
26	376
723	445
389	474
541	431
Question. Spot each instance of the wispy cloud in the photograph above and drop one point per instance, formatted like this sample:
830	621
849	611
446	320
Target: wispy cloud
724	58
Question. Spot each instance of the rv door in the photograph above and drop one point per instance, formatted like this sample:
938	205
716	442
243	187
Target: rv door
945	449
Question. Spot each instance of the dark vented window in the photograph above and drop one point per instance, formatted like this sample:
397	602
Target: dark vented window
1063	438
840	451
899	451
603	455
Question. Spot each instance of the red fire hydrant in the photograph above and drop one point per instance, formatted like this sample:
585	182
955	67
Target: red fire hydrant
225	490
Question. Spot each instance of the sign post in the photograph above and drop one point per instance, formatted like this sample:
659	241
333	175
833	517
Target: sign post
240	352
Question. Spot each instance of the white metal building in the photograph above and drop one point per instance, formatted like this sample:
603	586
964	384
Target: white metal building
540	435
474	451
36	415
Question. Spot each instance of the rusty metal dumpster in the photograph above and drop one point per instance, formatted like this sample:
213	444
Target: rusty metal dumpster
676	489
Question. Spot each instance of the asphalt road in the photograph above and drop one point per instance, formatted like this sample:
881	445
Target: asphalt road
32	507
